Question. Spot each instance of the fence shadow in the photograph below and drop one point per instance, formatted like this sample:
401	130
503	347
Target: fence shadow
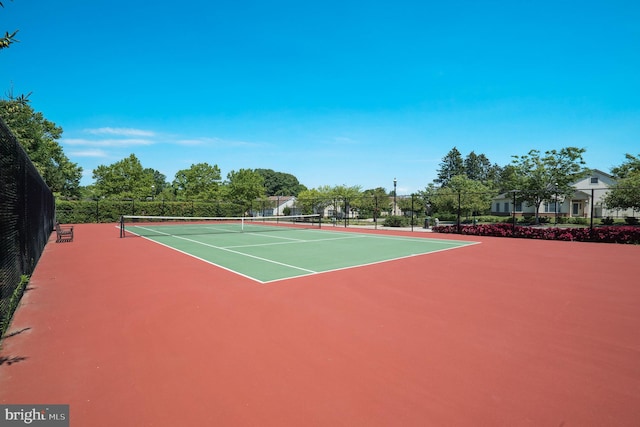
18	332
11	360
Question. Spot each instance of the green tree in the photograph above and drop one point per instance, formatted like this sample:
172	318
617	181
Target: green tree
312	201
123	179
630	166
452	165
507	179
199	182
280	183
474	166
472	197
373	201
8	38
38	136
429	199
159	181
347	197
546	177
245	186
478	168
625	194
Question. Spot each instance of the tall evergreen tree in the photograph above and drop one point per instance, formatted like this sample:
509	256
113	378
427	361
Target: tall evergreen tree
452	165
473	167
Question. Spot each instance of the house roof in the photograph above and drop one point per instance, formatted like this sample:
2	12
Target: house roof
598	171
281	199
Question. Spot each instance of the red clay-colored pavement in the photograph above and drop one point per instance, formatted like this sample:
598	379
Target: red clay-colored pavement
505	333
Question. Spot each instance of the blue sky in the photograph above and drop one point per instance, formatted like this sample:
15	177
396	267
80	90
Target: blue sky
333	92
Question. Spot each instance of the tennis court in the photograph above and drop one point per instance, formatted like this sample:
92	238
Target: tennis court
272	249
508	332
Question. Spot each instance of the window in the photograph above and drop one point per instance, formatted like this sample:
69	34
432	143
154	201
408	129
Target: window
506	206
497	207
594	179
518	206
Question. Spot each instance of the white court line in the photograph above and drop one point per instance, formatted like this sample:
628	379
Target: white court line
294	241
390	237
271	236
232	251
369	263
194	256
307	272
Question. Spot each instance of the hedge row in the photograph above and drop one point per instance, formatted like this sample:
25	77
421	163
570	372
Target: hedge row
85	211
622	234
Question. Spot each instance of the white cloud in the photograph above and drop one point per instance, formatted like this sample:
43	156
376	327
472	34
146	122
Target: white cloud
125	142
88	153
120	131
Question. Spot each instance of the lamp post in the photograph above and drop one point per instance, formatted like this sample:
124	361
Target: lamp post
514	210
556	204
395	182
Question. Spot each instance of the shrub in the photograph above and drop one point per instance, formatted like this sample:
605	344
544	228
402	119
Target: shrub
607	221
445	216
107	210
396	221
631	220
623	234
578	220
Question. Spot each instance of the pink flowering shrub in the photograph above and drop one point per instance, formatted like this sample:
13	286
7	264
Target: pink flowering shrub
623	234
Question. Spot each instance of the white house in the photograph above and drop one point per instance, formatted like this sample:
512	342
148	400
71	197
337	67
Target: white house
586	200
276	205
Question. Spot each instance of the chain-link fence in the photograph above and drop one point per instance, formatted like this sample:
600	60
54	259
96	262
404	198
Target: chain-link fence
334	209
27	216
107	210
393	211
585	206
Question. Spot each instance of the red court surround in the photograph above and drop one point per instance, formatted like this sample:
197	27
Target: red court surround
505	333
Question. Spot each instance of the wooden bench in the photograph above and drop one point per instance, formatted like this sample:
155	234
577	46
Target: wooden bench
63	234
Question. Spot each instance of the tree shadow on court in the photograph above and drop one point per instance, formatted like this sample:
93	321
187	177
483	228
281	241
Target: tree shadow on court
10	360
14	333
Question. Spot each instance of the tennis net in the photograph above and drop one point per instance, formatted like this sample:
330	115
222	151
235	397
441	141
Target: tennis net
148	226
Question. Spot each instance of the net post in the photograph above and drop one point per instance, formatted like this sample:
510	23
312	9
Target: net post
121	226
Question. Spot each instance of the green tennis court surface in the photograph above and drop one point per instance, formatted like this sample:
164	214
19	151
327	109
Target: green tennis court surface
271	255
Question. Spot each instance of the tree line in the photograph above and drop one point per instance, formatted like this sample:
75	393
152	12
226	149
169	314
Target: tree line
468	183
